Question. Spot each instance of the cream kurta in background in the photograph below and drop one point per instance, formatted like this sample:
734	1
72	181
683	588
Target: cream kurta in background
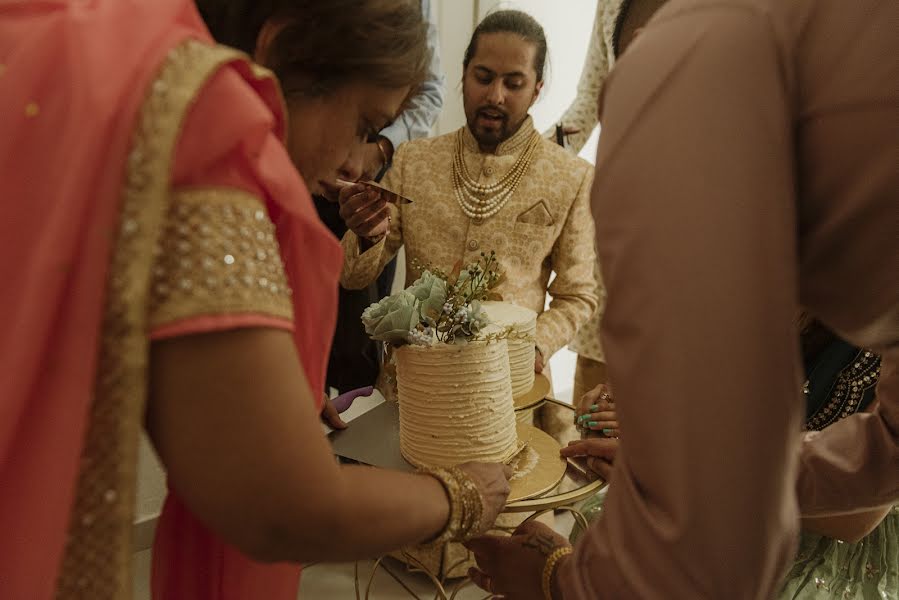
545	226
583	114
605	44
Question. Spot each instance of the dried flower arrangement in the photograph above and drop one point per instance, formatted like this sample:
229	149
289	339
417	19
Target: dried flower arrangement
438	307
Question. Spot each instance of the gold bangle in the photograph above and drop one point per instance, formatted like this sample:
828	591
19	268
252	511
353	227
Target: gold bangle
465	503
550	566
472	504
384	159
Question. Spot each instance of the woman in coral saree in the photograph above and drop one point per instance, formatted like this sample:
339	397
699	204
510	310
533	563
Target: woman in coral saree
163	263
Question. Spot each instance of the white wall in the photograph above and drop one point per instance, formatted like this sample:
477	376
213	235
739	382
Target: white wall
455	22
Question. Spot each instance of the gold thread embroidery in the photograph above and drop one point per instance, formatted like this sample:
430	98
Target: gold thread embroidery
218	255
848	390
97	560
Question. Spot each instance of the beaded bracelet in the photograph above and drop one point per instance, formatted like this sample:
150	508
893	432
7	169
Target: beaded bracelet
466	505
549	567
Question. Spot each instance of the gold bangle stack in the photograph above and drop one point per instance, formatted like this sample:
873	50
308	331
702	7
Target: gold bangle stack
549	568
466	505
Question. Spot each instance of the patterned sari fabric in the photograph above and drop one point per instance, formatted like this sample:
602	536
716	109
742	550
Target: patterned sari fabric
143	212
829	569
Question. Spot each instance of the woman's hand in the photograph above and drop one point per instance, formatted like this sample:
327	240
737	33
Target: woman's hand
599	453
364	210
330	416
492	481
596	411
512	567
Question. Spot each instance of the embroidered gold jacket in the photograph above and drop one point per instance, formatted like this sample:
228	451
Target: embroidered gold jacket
545	227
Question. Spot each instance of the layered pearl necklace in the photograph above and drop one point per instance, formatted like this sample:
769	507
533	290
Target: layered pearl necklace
481	202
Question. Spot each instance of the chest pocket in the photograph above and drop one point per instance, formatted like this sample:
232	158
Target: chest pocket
535	230
538	214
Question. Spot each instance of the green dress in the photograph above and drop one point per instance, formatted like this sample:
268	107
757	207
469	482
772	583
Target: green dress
841	381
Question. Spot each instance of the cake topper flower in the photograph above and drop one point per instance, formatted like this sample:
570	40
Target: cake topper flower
437	307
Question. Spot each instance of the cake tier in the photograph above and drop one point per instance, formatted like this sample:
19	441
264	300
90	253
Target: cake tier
522	325
455	403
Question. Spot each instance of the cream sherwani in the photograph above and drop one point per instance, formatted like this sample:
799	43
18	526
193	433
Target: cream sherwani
545	227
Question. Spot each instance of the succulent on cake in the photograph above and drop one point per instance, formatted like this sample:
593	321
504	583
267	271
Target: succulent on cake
438	307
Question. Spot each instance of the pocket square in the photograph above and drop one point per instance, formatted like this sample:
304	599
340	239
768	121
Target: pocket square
537	215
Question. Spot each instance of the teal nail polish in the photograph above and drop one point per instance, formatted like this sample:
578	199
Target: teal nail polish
607	432
592	423
594	408
582	418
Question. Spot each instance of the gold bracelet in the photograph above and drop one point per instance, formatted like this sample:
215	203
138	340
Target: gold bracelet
466	505
472	503
384	160
550	566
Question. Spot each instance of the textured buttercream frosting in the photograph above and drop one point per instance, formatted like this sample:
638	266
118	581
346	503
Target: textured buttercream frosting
521	323
455	403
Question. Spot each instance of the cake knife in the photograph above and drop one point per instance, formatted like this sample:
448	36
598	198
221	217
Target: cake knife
391	196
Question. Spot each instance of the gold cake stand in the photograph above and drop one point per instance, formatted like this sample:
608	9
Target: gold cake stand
551	483
537	394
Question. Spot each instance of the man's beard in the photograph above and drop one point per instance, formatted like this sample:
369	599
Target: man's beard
490	135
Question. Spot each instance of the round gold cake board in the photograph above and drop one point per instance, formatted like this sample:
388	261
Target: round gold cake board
540	456
538	392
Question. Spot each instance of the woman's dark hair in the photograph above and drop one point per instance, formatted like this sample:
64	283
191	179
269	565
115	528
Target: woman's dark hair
511	21
325	43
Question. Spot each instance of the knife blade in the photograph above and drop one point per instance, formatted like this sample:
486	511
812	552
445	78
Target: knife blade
391	196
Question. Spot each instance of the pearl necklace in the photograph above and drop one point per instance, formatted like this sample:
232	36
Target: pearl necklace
479	201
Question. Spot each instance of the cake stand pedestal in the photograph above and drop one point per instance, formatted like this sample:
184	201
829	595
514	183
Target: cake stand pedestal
373	439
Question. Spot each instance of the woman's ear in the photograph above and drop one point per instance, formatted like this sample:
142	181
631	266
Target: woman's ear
264	41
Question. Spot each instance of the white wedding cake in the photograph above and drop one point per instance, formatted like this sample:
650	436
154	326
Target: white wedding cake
455	403
521	326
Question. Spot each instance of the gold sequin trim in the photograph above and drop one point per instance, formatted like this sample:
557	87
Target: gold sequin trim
848	390
218	255
97	560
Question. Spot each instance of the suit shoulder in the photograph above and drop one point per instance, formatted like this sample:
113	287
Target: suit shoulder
565	159
424	146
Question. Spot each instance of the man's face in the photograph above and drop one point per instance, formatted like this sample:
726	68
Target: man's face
499	86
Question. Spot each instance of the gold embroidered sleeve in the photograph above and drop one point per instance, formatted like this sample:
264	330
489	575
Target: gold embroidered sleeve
362	268
574	290
217	256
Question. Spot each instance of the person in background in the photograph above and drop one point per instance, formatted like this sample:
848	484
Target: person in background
493	185
355	359
837	559
190	287
615	25
745	169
